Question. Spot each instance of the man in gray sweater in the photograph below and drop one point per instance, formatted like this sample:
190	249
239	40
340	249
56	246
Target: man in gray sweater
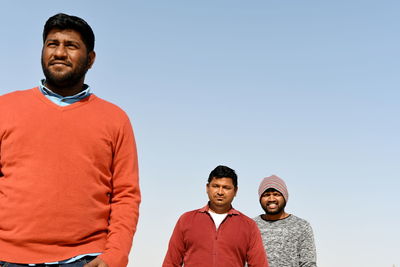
288	240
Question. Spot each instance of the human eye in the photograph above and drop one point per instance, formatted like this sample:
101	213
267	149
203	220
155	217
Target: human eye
72	45
51	44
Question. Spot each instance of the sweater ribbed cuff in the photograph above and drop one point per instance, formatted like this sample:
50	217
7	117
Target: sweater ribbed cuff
114	258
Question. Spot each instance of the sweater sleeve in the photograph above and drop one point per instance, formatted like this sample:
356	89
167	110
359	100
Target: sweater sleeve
1	174
1	138
125	199
307	251
176	248
256	255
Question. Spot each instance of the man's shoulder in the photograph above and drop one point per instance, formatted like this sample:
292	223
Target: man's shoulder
193	212
14	99
298	220
16	94
243	217
108	109
107	104
190	216
258	219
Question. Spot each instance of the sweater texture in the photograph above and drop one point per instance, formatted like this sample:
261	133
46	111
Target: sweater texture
68	180
289	242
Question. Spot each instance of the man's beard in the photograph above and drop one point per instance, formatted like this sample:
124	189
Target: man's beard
68	79
280	209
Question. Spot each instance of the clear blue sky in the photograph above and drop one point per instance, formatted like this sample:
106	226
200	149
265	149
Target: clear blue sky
306	90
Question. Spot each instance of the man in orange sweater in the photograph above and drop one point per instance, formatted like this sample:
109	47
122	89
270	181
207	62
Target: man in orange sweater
69	190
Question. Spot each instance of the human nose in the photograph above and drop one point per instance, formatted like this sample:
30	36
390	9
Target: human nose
60	51
220	191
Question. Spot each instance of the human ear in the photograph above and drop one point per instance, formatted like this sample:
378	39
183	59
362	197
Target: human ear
91	58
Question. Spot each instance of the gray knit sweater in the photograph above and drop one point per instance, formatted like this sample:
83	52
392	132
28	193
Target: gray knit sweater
289	242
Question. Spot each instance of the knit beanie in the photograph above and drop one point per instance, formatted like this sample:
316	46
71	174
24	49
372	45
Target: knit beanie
273	182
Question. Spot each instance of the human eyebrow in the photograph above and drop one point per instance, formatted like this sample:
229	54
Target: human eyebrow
52	41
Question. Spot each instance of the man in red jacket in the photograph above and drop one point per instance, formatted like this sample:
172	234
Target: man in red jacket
69	190
216	235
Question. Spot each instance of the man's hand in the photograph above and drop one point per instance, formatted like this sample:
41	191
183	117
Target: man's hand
97	262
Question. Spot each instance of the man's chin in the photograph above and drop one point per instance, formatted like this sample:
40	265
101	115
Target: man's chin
273	212
57	84
59	80
59	76
220	204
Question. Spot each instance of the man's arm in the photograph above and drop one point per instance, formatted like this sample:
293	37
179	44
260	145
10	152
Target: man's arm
124	200
1	174
307	251
176	248
256	255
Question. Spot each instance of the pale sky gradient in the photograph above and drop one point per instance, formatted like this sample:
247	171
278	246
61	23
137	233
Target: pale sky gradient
306	90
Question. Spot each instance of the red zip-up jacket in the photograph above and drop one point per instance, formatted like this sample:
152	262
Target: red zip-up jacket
196	241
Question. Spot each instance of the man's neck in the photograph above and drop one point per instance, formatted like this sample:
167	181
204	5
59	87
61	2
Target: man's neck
219	210
67	90
275	217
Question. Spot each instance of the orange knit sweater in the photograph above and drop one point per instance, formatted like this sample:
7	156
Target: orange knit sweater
68	180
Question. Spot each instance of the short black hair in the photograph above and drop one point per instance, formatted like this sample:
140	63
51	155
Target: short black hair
66	22
223	172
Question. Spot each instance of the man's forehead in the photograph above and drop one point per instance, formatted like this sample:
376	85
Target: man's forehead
220	180
64	34
271	190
